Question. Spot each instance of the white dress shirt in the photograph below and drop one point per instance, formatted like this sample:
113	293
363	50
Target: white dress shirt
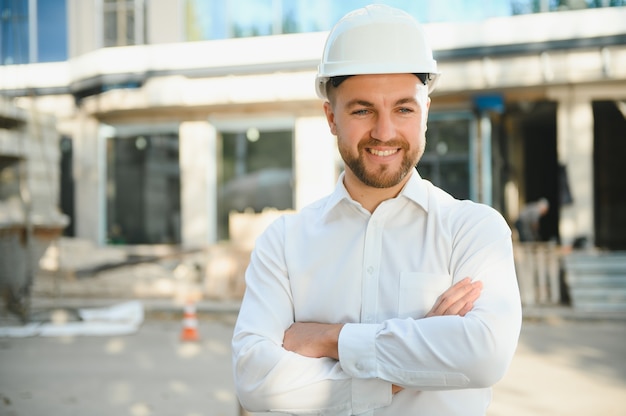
380	273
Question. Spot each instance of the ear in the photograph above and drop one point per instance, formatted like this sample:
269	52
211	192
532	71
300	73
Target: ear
330	117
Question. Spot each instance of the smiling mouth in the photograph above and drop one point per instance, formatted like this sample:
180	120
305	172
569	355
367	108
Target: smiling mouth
388	152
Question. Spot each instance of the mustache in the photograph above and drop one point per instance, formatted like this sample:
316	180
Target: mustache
400	144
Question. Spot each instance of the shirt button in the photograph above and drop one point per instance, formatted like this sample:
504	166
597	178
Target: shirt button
370	269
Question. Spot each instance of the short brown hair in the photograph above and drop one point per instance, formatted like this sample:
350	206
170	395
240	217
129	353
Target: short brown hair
334	82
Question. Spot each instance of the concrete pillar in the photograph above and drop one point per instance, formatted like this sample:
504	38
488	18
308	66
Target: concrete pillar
82	36
90	178
41	144
315	160
486	172
198	183
575	151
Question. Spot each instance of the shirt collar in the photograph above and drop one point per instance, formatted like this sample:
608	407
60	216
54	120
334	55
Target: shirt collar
337	196
415	189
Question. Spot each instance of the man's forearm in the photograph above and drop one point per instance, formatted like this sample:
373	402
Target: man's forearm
313	339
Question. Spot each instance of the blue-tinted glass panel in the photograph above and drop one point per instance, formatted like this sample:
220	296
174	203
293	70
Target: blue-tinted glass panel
252	18
14	32
433	10
206	20
51	30
298	16
219	19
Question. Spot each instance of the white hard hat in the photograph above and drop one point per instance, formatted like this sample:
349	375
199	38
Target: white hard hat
376	39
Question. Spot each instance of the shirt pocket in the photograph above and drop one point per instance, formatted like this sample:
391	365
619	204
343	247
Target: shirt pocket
419	292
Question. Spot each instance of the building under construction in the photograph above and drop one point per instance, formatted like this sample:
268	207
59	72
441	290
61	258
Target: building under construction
171	115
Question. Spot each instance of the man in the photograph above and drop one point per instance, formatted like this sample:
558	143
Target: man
388	297
528	222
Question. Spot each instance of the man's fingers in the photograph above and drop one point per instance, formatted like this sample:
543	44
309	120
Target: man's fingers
466	302
453	294
458	299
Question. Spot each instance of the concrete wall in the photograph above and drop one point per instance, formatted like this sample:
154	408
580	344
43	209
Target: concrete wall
32	139
166	20
84	26
316	159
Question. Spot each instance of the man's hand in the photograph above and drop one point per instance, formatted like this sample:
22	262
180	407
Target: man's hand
458	299
313	339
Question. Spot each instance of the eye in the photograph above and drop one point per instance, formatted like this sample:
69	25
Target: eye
360	112
406	110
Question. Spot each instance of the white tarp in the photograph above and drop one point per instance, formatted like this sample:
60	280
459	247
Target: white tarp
121	319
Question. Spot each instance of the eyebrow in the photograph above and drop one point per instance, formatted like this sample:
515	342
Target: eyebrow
364	103
358	102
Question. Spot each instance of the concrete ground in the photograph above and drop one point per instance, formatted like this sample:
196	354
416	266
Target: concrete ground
562	367
565	367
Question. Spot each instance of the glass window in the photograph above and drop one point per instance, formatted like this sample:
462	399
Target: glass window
206	20
446	160
252	18
143	189
122	22
256	173
14	36
21	45
51	30
9	179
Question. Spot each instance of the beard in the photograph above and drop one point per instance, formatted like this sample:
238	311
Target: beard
383	175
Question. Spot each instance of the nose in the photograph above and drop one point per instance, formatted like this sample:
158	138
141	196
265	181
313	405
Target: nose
384	128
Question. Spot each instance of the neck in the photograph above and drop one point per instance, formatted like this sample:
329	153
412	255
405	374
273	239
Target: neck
369	197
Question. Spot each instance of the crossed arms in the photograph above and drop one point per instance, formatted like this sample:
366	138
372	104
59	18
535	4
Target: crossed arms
465	341
317	340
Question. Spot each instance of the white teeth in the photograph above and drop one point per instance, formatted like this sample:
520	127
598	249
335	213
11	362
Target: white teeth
383	152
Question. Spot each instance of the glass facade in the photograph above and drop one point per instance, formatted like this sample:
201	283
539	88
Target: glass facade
222	19
14	36
446	161
51	30
143	189
41	35
256	172
29	36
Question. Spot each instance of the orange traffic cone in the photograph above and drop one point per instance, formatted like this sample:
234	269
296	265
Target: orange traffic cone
190	324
